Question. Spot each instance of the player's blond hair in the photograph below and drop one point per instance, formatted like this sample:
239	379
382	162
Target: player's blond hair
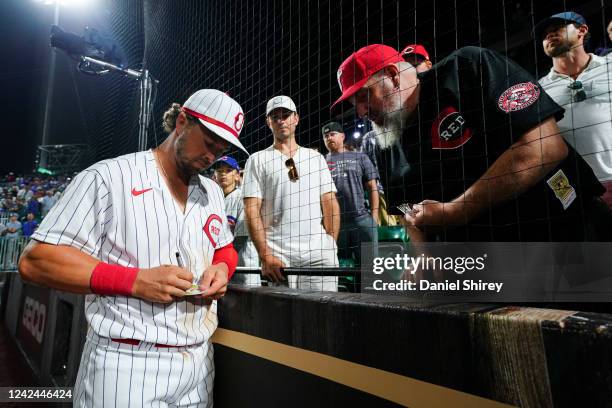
169	119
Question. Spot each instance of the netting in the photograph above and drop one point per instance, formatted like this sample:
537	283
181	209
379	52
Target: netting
254	50
115	107
257	49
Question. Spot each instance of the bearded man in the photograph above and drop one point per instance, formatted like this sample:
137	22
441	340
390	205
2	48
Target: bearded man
470	150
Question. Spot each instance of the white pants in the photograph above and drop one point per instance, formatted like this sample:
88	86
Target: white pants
320	259
114	374
247	256
303	258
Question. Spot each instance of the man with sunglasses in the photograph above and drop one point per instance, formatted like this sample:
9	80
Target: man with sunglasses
580	82
470	150
134	234
290	203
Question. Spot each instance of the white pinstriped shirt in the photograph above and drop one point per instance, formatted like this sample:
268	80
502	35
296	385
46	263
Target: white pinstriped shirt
121	212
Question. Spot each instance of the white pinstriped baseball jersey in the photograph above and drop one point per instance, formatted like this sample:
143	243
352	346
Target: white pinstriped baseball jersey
121	212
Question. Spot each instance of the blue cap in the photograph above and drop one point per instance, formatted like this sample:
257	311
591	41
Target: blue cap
230	161
567	17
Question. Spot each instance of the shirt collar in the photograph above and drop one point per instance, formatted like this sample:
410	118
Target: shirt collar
595	62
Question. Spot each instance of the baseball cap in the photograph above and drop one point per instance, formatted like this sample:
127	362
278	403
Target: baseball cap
567	17
416	49
218	113
280	101
355	71
230	161
331	127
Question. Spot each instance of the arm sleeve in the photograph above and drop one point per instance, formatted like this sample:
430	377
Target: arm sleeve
369	171
511	95
252	185
229	256
80	216
327	183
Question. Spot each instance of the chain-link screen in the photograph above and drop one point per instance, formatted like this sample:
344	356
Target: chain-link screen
462	165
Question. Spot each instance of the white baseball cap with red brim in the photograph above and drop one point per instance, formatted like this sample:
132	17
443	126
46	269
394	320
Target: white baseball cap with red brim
219	113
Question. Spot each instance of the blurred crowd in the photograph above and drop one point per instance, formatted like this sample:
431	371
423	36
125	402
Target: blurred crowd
25	200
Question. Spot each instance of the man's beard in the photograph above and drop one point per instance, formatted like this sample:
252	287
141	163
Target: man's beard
559	49
390	132
183	164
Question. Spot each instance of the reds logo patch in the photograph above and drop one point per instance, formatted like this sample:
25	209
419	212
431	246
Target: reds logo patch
212	229
448	131
518	97
239	121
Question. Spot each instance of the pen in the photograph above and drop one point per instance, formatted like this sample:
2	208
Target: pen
179	260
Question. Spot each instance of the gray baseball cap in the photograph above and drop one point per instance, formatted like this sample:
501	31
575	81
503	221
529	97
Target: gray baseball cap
280	101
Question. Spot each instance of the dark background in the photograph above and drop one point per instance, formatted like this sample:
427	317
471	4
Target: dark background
251	49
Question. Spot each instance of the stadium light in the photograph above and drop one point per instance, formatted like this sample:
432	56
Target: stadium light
68	3
57	5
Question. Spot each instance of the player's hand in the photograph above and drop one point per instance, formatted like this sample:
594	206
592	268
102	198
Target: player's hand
213	283
162	284
271	268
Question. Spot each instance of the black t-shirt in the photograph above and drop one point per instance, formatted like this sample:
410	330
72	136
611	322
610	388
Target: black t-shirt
473	106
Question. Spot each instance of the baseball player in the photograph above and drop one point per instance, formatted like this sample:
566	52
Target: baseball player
473	142
135	234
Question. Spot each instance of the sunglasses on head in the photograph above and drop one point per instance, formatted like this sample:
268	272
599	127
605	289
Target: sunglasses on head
293	174
580	95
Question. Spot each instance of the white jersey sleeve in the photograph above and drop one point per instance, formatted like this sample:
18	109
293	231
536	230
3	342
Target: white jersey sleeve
79	218
252	185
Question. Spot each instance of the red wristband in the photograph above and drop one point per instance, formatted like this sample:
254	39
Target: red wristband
109	279
229	256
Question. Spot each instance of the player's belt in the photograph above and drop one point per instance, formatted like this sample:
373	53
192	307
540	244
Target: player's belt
137	342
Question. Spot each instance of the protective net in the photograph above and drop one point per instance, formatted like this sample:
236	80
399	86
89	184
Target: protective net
254	50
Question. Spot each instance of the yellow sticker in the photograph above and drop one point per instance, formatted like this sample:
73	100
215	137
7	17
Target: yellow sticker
563	189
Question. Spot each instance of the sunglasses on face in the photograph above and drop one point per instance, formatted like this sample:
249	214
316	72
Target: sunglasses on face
293	174
580	94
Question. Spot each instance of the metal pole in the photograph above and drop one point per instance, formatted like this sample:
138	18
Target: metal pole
146	102
50	86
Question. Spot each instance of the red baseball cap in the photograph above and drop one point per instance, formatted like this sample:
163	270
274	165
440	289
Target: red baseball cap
417	49
355	71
